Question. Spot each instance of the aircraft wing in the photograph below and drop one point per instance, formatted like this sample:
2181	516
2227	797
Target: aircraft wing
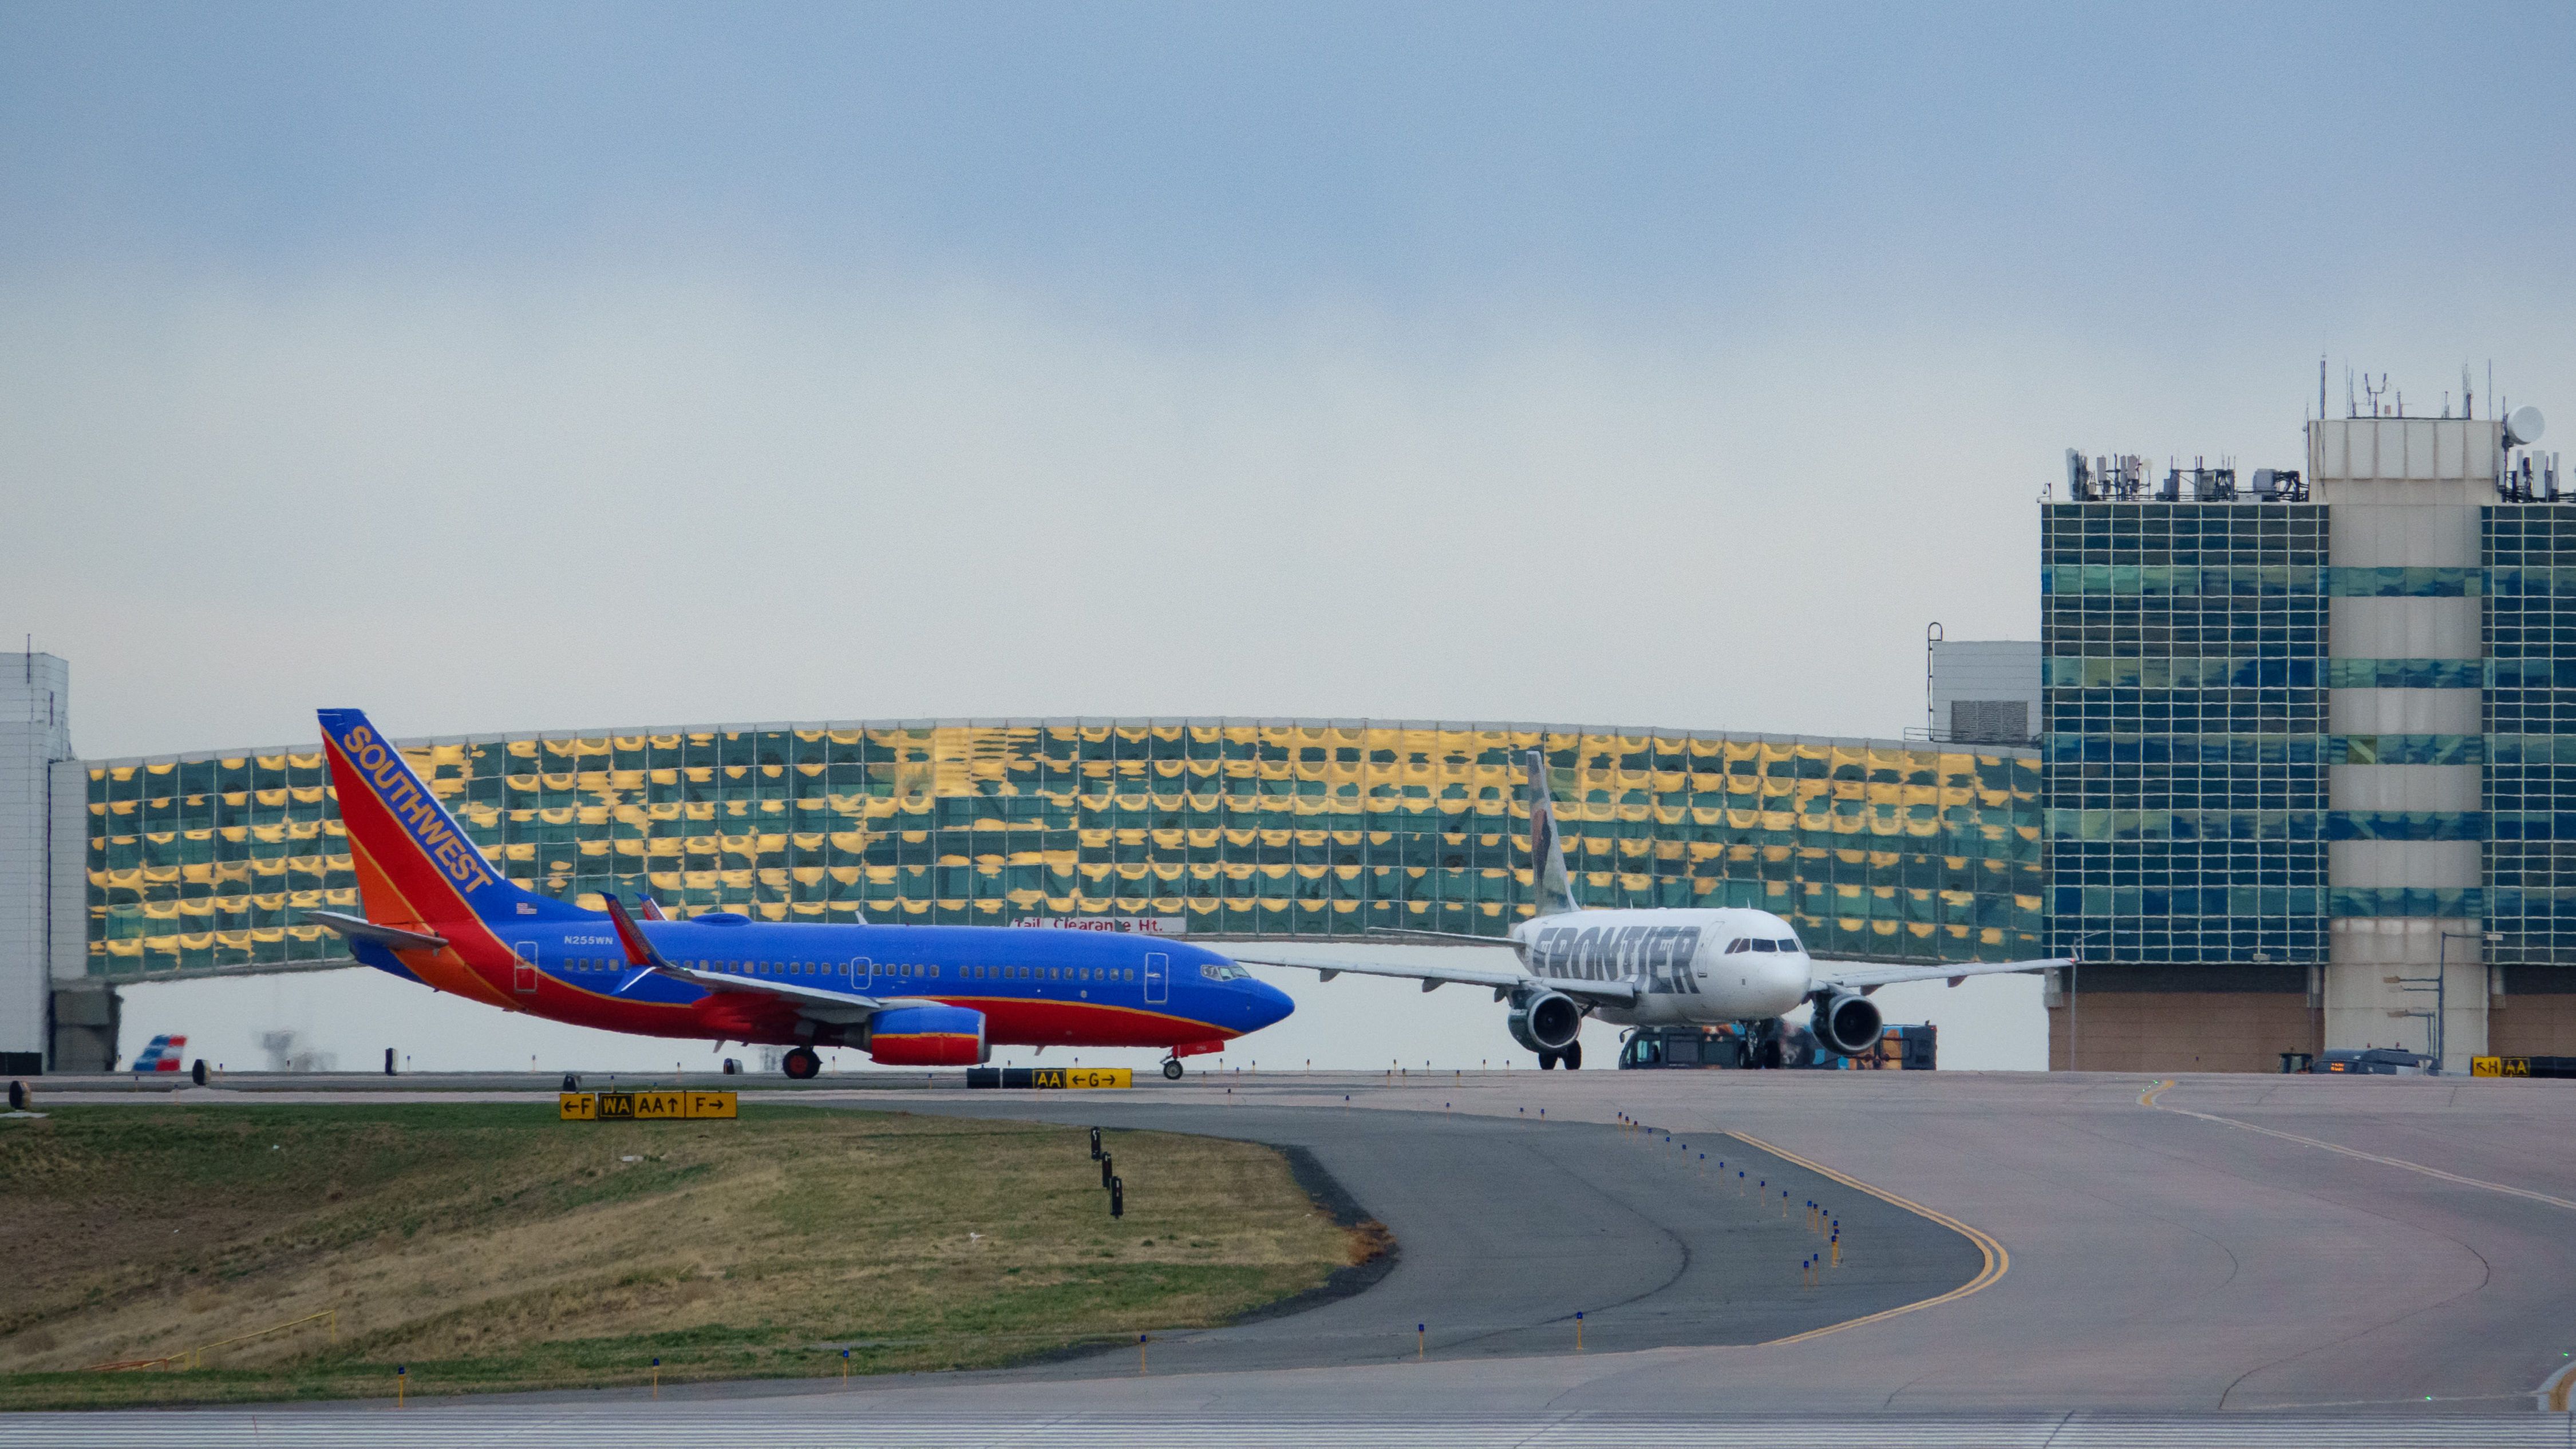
838	1007
1463	938
1868	976
1503	981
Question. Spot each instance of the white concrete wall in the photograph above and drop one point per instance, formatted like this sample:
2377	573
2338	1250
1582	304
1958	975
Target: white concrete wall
2405	787
2406	628
2404	492
2396	864
2406	712
2387	535
1985	669
35	731
2411	461
2360	998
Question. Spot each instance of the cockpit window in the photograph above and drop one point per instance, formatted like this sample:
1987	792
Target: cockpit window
1761	945
1789	944
1222	971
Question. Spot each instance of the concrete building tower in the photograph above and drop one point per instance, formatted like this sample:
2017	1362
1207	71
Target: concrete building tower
44	837
2405	645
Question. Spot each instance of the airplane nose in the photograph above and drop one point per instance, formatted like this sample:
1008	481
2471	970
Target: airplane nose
1270	1005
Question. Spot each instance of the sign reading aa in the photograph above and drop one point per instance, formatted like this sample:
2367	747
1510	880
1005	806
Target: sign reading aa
2522	1066
1051	1078
646	1106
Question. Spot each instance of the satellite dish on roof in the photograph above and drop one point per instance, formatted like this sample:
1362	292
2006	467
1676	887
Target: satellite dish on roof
2523	426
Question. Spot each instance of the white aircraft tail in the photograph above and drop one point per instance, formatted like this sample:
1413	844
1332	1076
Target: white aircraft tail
1553	887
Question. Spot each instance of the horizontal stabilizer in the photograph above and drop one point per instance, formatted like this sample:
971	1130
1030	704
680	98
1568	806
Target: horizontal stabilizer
359	928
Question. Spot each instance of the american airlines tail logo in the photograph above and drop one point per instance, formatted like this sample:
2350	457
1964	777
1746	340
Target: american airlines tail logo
420	815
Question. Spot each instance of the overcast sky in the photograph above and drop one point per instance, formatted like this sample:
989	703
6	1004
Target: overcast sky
502	367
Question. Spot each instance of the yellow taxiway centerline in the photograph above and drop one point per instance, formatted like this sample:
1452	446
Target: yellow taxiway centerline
1998	1261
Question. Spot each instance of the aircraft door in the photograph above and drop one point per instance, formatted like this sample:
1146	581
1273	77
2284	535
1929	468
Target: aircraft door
1158	979
523	973
862	972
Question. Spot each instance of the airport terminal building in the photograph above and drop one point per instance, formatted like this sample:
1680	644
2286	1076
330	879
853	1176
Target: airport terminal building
201	863
2283	768
2303	753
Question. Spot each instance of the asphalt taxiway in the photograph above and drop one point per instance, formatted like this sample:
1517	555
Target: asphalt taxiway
2390	1257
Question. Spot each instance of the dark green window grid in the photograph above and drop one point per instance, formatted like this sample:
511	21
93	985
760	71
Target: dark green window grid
2530	632
2185	734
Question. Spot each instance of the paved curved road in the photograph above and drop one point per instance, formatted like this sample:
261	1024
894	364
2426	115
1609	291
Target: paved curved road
2162	1258
2367	1250
1509	1227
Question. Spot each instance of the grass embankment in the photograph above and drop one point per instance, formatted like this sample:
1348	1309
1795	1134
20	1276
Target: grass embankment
493	1247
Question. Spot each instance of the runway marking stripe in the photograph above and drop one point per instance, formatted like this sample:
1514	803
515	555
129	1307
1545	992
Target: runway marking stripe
2147	1099
1997	1260
2553	1391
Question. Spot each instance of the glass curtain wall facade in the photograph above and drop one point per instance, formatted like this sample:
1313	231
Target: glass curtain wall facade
2188	748
2530	821
1239	828
2186	730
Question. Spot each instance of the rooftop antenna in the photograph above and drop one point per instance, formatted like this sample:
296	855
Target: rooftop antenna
2350	408
2321	387
2468	397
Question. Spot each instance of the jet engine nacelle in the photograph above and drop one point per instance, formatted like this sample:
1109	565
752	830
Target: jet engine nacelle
927	1036
1545	1021
1845	1024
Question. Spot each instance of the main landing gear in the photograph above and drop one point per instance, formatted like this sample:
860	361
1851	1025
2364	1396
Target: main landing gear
801	1063
1172	1068
1572	1056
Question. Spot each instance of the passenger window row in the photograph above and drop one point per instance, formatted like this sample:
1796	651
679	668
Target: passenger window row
1050	973
812	968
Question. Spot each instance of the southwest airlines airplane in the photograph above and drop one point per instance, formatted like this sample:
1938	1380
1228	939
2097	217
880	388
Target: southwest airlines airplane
1658	967
440	914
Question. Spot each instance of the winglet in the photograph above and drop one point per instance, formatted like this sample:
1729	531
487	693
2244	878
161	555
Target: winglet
639	952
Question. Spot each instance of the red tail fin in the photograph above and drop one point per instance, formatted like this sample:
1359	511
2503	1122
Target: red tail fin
415	864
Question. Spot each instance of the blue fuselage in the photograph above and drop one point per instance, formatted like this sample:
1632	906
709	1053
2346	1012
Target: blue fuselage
1036	987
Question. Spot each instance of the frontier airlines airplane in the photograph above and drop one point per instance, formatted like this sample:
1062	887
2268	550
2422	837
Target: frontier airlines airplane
1657	967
